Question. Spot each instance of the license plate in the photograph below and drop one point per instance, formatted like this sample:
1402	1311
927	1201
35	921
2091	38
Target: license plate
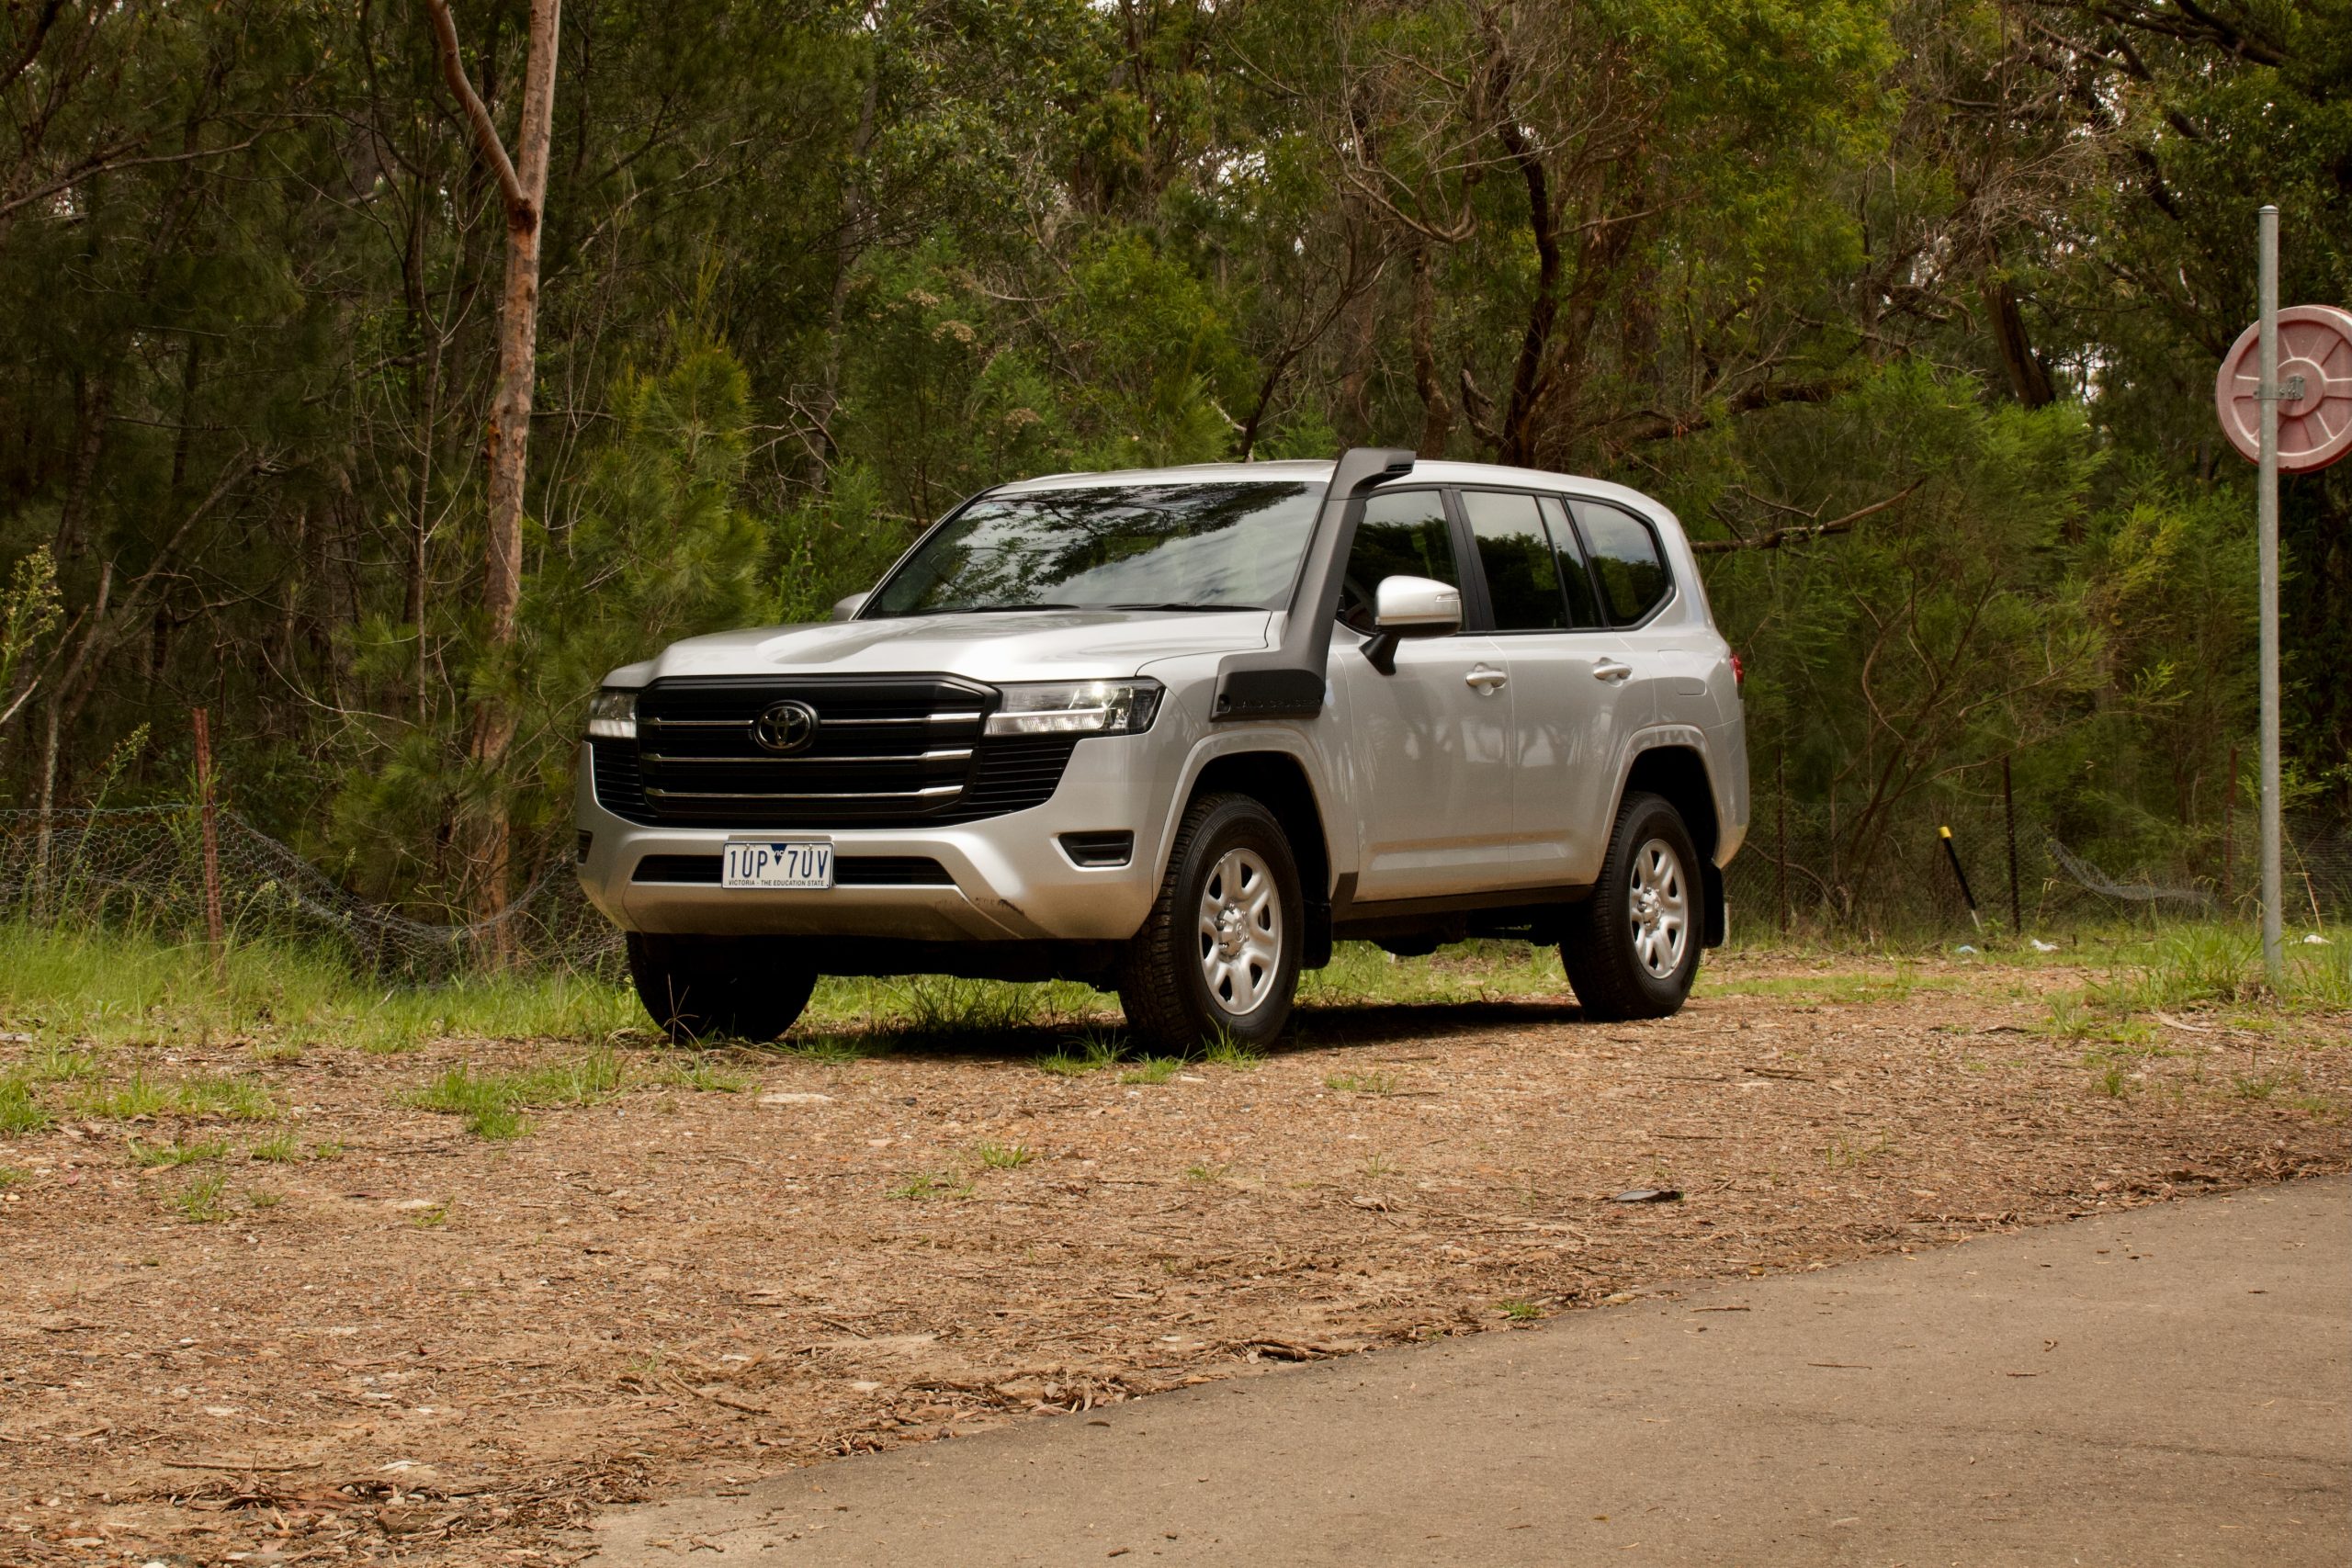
772	864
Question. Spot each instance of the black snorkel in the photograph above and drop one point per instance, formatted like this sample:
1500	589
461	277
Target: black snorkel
1287	681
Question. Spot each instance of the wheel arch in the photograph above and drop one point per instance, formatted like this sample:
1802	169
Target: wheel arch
1679	774
1279	782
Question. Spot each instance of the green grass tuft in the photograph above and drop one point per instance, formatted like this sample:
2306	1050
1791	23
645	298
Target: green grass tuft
1361	1083
1153	1069
492	1103
200	1200
283	1149
1005	1157
927	1185
153	1157
1224	1049
20	1112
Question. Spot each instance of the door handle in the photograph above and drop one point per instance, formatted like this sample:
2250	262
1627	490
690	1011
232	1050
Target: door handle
1486	680
1610	669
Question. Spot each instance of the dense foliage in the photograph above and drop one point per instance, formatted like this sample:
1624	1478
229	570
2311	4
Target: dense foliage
1912	307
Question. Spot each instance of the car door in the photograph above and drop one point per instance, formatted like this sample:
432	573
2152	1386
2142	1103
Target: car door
1567	674
1635	584
1430	746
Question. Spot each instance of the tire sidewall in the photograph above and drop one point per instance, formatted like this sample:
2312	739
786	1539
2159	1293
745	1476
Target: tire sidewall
1646	817
1239	823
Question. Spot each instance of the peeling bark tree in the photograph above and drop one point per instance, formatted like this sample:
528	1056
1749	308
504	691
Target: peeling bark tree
523	185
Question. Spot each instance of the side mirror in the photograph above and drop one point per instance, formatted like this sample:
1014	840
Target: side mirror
1417	607
847	609
1409	606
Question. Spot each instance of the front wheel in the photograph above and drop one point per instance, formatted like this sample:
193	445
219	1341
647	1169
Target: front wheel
1219	952
704	987
1632	949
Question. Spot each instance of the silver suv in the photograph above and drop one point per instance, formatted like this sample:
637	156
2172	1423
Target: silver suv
1175	732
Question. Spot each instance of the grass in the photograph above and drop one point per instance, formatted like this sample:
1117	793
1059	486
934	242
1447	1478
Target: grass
927	1185
10	1177
1841	1155
492	1103
1224	1049
133	987
1153	1069
703	1077
1519	1310
263	1198
283	1149
200	1200
164	1156
236	1098
1005	1157
1205	1173
1361	1083
20	1112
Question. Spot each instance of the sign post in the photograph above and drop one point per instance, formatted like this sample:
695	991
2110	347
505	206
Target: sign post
2266	523
2285	397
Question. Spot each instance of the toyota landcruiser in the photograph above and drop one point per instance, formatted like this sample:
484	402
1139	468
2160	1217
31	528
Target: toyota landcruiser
1176	732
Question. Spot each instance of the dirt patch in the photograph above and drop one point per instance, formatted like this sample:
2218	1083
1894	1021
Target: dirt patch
392	1340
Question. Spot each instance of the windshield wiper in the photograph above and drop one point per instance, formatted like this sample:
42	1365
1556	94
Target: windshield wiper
1212	609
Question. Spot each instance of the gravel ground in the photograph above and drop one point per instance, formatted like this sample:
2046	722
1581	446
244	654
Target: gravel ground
388	1338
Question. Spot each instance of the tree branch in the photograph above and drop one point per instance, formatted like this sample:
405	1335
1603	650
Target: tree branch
486	141
1799	533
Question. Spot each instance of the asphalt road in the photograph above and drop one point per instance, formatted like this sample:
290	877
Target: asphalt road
2169	1385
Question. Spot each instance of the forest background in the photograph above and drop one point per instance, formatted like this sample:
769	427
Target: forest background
1911	310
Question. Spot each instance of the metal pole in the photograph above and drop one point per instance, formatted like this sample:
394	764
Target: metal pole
1781	865
2267	492
2009	818
212	932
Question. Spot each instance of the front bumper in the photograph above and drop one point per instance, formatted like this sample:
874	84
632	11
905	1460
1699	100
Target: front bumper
1010	877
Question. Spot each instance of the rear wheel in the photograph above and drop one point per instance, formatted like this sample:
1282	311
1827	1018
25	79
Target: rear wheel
705	987
1219	952
1632	949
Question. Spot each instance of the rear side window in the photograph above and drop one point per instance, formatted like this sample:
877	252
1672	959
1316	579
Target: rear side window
1627	565
1516	552
1404	534
1583	610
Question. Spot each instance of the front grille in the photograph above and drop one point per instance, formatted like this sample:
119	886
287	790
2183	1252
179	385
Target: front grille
886	752
849	871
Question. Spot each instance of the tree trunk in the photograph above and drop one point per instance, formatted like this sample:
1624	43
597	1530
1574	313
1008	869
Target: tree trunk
2029	378
522	184
1437	414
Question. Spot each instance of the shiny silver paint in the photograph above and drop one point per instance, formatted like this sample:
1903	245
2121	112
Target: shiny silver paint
1486	762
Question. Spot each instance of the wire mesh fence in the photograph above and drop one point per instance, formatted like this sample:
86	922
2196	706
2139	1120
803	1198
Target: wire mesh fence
1801	875
145	867
1804	873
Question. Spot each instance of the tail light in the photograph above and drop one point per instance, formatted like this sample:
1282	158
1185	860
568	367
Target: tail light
1738	671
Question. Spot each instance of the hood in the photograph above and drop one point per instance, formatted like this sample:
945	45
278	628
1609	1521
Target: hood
1042	645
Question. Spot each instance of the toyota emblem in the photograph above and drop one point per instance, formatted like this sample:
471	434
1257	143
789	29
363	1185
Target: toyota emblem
784	727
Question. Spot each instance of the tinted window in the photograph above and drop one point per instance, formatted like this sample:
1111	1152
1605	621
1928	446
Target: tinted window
1517	555
1404	534
1583	610
1229	545
1625	562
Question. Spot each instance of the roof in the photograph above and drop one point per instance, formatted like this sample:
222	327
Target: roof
1319	471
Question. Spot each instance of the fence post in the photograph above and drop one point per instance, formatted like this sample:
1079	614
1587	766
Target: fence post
2229	812
2009	814
1780	864
212	932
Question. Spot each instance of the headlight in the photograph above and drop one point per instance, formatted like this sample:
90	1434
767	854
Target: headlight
612	716
1077	708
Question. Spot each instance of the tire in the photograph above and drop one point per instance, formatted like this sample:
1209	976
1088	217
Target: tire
1219	952
705	987
1632	949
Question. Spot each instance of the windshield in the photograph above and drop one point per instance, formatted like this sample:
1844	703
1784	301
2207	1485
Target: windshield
1231	544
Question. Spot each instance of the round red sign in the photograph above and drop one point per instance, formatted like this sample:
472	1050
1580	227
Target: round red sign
2315	425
